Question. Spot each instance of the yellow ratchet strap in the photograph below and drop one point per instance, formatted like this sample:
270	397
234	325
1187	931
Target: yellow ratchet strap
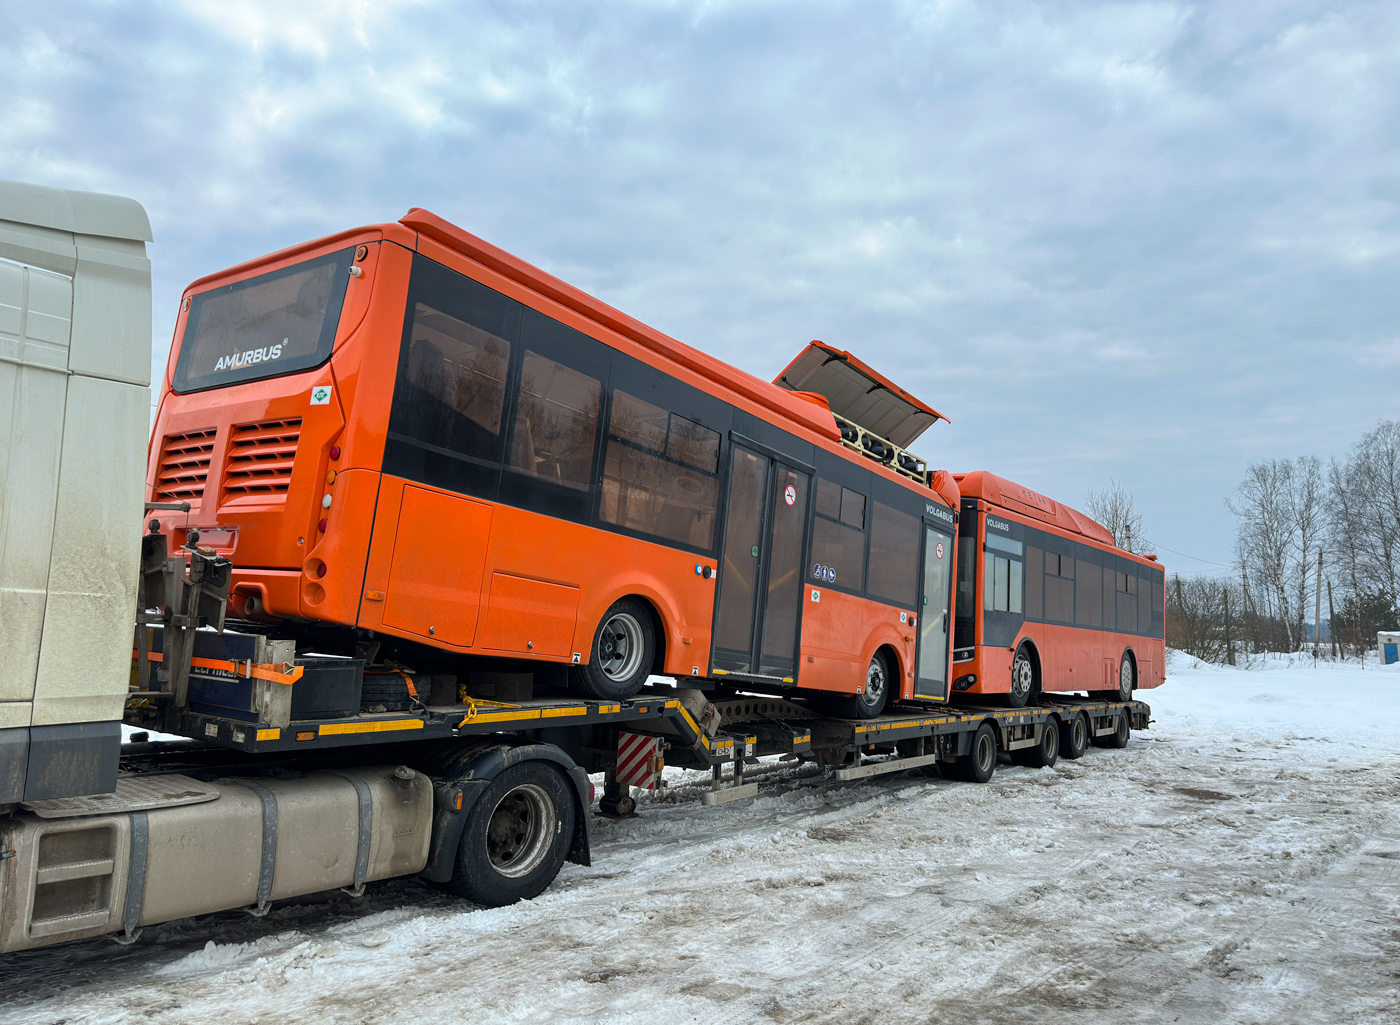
474	703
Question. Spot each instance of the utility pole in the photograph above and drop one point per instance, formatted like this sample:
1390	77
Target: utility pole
1332	620
1128	536
1229	642
1317	605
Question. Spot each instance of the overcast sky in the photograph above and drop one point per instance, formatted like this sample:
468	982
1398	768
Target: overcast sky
1142	241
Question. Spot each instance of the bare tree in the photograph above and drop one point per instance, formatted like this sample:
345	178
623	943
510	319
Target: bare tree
1281	527
1365	502
1116	509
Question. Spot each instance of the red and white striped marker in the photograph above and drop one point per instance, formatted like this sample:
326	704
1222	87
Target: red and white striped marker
638	760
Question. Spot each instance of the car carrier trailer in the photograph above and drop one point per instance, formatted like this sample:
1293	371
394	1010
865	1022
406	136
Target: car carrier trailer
284	781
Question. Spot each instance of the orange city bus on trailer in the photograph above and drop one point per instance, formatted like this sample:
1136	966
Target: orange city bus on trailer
410	442
1051	604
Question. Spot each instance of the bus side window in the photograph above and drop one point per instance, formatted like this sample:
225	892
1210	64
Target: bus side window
894	555
1035	583
463	368
660	474
556	422
1059	588
1088	594
1002	584
1144	620
838	546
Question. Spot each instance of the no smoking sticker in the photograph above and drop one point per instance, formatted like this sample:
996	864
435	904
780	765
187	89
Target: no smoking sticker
790	495
938	549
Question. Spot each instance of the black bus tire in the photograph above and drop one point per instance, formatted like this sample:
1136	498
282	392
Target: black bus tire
624	649
516	837
1074	738
980	762
1023	682
869	703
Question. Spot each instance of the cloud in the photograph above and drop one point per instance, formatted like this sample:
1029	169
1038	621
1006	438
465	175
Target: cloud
1120	240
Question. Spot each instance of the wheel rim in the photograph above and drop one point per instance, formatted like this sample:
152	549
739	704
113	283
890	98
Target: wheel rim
1051	742
1125	677
620	647
1022	676
1080	734
519	833
986	751
875	684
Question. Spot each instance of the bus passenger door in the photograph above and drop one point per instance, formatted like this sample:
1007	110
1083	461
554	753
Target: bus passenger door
935	615
758	604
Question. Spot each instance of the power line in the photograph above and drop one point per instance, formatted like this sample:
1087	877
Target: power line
1209	562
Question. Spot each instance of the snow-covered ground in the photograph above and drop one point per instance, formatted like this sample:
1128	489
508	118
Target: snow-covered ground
1239	862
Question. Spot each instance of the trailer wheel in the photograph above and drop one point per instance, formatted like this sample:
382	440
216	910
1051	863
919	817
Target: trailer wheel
1044	754
516	838
1074	739
980	761
1119	736
624	648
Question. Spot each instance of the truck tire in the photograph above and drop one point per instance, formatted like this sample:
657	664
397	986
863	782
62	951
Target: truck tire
1119	736
516	838
1044	754
624	647
980	762
1074	738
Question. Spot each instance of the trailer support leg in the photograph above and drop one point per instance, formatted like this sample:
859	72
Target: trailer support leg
617	802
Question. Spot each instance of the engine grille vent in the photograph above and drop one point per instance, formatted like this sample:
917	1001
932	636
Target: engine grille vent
184	466
260	458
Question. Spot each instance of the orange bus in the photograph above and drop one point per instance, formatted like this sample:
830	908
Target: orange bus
412	445
1047	602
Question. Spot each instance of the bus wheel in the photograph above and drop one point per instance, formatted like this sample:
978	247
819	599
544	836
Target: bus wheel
869	703
980	761
1127	679
621	659
1022	679
1044	754
1074	738
517	837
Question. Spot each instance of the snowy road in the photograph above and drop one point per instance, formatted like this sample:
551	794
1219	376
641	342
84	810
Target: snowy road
1239	862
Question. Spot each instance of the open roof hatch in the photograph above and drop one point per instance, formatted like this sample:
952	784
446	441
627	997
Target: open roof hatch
859	394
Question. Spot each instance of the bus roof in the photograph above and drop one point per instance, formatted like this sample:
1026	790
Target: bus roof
859	394
1018	499
773	398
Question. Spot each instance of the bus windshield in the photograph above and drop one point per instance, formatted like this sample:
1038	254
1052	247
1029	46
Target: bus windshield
273	324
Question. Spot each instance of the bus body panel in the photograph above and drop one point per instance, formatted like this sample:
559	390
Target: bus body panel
1080	657
488	578
339	538
841	633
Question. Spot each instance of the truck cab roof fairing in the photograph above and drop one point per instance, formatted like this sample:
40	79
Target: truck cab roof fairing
858	393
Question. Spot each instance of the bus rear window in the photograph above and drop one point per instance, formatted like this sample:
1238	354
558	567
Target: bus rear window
276	323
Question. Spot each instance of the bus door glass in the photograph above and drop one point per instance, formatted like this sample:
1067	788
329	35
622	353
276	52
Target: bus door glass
931	675
759	595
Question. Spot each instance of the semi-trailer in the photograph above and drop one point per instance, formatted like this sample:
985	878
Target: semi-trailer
297	771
